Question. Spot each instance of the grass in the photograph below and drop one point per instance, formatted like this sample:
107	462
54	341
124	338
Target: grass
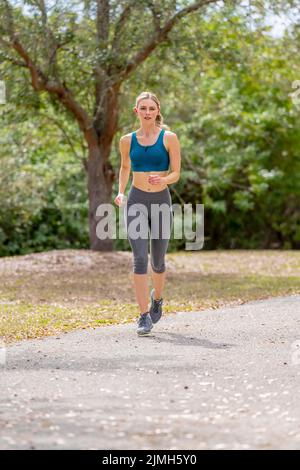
54	292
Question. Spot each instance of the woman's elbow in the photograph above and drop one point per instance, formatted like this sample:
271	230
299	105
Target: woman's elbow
177	175
125	168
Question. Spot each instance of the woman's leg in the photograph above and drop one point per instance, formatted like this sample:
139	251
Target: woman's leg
141	291
159	245
140	271
139	247
158	267
158	280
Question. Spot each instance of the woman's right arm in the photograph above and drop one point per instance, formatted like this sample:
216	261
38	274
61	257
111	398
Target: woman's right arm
124	146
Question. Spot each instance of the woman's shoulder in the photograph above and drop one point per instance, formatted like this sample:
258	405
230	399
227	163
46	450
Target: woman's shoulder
170	139
126	139
170	135
126	136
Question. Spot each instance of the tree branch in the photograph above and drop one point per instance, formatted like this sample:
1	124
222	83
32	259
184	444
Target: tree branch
156	14
9	18
65	134
121	23
102	20
7	45
51	44
40	81
158	37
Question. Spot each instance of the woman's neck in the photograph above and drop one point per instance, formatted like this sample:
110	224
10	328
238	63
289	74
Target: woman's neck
148	131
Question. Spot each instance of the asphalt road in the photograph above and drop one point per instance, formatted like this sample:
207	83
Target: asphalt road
216	379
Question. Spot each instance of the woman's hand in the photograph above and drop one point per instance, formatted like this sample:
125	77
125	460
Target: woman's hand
156	179
119	199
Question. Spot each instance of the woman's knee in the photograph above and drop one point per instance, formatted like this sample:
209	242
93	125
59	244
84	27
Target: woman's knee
158	266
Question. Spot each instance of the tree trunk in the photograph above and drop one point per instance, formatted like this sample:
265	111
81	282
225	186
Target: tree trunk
100	173
100	177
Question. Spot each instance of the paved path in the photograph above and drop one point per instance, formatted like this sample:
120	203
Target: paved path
216	379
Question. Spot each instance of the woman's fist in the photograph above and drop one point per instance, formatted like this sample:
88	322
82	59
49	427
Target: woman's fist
156	179
120	199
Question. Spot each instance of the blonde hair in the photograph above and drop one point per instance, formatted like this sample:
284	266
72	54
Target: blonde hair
148	95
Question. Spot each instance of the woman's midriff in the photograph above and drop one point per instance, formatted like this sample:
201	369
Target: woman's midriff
140	180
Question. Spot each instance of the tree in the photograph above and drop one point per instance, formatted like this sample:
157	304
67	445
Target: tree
45	38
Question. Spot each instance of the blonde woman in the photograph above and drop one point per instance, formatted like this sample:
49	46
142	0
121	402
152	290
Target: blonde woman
149	152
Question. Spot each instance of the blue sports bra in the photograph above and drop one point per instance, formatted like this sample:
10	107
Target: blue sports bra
149	157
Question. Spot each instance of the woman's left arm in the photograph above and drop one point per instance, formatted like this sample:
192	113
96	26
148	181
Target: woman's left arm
175	163
175	160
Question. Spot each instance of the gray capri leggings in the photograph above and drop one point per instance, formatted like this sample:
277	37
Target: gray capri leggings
144	212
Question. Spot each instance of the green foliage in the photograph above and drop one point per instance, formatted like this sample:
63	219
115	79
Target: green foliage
42	189
224	89
227	96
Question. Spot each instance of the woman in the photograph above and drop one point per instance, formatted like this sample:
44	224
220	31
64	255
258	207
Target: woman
149	152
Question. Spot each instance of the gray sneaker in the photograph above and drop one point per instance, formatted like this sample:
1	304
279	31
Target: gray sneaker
156	308
144	324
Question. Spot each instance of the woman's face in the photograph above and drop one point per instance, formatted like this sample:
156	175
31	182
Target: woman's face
147	110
